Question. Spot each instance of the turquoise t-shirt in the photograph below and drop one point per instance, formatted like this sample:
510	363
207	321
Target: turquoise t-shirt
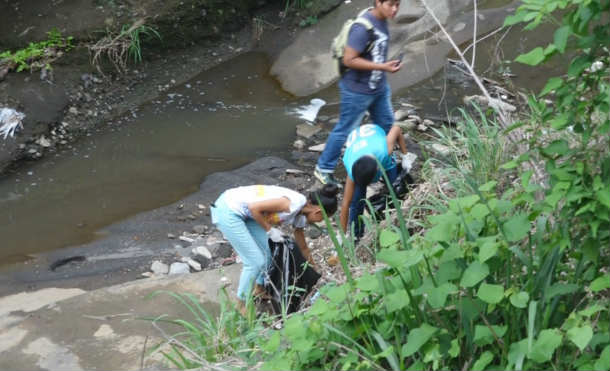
367	139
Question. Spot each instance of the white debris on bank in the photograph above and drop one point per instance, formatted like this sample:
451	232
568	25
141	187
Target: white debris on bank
310	112
10	120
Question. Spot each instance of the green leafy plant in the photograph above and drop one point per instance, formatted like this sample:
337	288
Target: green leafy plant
505	275
309	21
38	54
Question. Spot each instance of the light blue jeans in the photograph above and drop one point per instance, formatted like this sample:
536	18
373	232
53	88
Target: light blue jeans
352	109
249	239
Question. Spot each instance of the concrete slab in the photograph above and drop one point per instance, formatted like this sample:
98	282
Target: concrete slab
105	329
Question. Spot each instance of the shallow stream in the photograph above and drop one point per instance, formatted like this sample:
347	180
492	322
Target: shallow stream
221	119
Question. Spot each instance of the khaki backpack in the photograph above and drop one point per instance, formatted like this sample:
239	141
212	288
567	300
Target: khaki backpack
337	48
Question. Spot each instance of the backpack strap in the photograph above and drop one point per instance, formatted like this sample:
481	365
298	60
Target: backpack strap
368	25
360	19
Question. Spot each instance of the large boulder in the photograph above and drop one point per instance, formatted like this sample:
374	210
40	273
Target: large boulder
307	66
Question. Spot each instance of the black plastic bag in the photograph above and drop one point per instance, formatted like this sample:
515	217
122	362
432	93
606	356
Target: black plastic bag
290	277
400	185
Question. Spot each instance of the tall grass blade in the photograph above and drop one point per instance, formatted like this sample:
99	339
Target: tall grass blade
391	357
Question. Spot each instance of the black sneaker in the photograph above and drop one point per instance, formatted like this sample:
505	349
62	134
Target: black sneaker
325	178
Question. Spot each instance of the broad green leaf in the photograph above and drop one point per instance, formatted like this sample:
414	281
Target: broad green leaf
550	50
520	299
500	206
474	274
516	228
553	84
272	343
560	121
546	344
459	205
336	294
424	288
483	335
580	336
509	165
514	19
388	238
491	294
603	196
417	337
483	361
600	283
444	229
479	211
294	329
400	258
603	363
560	38
278	362
487	248
557	147
437	296
533	57
396	300
451	253
578	66
471	308
417	366
448	271
454	351
489	186
319	307
368	282
432	353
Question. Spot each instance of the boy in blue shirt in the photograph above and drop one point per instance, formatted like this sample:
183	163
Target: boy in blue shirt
363	87
365	147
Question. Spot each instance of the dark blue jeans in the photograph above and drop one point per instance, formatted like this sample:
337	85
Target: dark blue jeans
356	207
352	109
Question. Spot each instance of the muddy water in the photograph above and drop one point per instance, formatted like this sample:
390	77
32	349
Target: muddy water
156	155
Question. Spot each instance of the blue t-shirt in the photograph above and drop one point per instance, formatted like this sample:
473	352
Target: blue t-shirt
365	140
368	82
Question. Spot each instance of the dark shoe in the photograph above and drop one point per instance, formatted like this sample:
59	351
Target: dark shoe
325	178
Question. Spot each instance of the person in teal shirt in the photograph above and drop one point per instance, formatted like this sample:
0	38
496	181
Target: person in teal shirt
366	146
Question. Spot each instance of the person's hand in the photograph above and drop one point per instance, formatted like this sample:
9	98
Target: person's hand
275	235
392	66
407	161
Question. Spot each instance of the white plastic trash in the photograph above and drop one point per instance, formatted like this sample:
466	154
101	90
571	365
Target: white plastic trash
10	120
310	112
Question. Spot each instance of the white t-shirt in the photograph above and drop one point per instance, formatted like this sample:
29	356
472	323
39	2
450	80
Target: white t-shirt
237	200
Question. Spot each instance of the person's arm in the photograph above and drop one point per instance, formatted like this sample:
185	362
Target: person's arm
299	238
395	135
353	60
348	194
258	209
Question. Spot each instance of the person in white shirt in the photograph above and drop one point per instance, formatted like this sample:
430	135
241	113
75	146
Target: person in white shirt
248	216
